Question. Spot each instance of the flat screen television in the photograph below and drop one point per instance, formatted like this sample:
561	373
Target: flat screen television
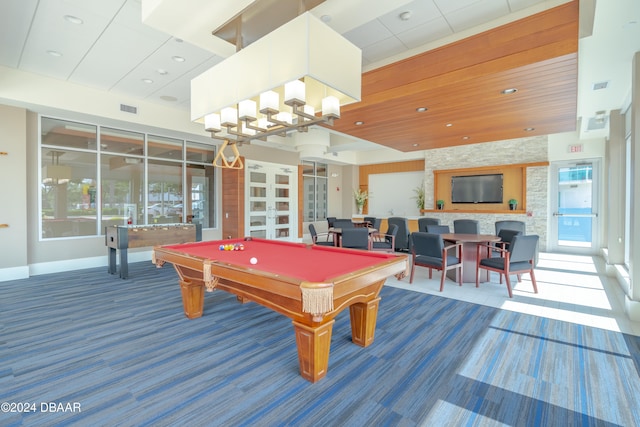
476	189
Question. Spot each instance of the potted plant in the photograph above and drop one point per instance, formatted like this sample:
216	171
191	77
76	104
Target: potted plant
419	196
440	204
360	197
513	204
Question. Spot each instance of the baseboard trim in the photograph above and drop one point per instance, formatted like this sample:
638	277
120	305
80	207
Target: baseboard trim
82	263
14	273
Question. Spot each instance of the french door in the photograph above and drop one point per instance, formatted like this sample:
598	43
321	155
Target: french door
271	200
574	224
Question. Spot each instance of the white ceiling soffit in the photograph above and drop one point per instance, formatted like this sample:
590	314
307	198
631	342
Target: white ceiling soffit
194	20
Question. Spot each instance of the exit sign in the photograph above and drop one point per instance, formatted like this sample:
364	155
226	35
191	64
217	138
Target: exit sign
577	148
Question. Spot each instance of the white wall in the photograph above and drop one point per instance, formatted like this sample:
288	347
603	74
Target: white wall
393	194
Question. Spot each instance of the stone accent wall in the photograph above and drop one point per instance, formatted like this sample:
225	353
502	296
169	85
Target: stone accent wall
525	150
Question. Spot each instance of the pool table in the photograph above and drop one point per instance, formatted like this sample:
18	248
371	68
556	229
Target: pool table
309	284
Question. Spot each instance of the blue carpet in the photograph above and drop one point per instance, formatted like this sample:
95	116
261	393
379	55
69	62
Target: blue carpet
123	351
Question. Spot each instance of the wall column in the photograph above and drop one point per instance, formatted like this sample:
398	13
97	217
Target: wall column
633	300
615	184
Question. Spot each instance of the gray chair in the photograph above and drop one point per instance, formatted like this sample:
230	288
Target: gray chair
438	229
466	226
355	238
423	222
519	258
511	225
343	223
428	250
514	225
330	221
402	237
314	237
385	241
506	235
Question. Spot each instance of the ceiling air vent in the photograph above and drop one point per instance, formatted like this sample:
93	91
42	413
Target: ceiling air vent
129	109
600	85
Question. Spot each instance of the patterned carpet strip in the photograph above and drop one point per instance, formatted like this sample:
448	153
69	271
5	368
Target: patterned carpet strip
87	348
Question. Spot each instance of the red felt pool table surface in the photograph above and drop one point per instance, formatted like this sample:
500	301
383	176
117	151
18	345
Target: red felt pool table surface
306	262
309	284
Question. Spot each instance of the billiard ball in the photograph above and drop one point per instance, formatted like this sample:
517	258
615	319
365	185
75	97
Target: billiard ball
222	247
253	260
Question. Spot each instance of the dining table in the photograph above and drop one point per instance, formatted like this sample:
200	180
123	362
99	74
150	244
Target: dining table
470	244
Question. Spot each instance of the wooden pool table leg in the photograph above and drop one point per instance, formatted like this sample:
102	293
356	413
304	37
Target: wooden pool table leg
192	298
313	349
363	321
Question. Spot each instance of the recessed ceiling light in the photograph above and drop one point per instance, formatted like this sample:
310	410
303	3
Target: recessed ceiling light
509	91
162	71
359	123
465	138
449	125
168	98
325	18
415	145
421	109
148	81
529	129
405	16
178	40
178	58
54	53
73	19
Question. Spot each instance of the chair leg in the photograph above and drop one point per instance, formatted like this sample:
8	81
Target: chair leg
508	280
413	267
444	273
533	281
430	273
477	276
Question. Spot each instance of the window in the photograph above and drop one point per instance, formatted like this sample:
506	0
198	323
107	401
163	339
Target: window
94	176
315	182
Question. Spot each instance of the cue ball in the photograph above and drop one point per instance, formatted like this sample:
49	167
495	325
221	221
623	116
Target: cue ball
253	260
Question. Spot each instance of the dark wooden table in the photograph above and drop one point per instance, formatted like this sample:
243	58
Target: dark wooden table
469	252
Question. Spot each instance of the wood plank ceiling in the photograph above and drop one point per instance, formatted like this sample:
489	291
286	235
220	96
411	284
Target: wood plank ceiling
461	86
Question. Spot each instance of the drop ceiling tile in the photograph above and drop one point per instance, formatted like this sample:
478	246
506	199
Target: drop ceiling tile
422	11
515	5
425	33
448	6
50	31
383	49
476	14
368	34
14	27
118	51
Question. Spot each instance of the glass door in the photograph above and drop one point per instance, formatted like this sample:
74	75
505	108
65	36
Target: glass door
271	201
574	225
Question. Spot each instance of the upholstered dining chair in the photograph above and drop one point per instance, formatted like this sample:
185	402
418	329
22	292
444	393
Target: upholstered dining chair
428	250
314	237
330	221
510	225
466	226
355	238
438	229
423	222
402	237
343	223
518	258
385	241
